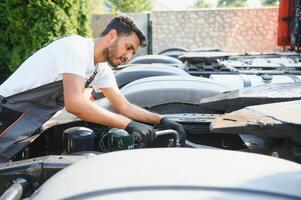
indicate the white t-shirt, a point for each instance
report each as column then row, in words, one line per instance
column 71, row 54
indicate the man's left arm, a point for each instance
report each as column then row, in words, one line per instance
column 124, row 107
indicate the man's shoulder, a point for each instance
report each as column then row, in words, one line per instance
column 73, row 40
column 72, row 43
column 74, row 37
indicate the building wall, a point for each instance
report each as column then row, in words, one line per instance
column 234, row 30
column 238, row 30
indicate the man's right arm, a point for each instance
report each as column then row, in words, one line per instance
column 81, row 106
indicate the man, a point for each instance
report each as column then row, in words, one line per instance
column 56, row 75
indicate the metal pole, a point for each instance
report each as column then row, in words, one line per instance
column 15, row 191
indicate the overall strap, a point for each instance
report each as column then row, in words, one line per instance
column 91, row 78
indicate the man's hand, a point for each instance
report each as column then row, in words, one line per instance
column 142, row 132
column 169, row 124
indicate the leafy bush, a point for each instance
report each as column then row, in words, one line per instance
column 34, row 23
column 4, row 43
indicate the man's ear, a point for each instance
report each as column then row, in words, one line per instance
column 112, row 36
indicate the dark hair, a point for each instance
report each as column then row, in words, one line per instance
column 125, row 25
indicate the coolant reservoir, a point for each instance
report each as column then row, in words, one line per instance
column 119, row 139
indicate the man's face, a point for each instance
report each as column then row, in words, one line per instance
column 121, row 50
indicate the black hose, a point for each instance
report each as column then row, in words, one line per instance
column 101, row 143
column 198, row 146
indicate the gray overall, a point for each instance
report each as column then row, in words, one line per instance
column 23, row 114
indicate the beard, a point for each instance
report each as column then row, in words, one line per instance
column 111, row 54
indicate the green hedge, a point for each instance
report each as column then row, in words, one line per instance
column 30, row 24
column 5, row 47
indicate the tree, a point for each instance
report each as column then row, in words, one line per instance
column 33, row 24
column 128, row 5
column 5, row 46
column 270, row 2
column 231, row 3
column 201, row 4
column 96, row 6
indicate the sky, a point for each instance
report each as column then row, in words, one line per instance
column 182, row 4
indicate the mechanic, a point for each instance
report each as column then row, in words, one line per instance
column 56, row 75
